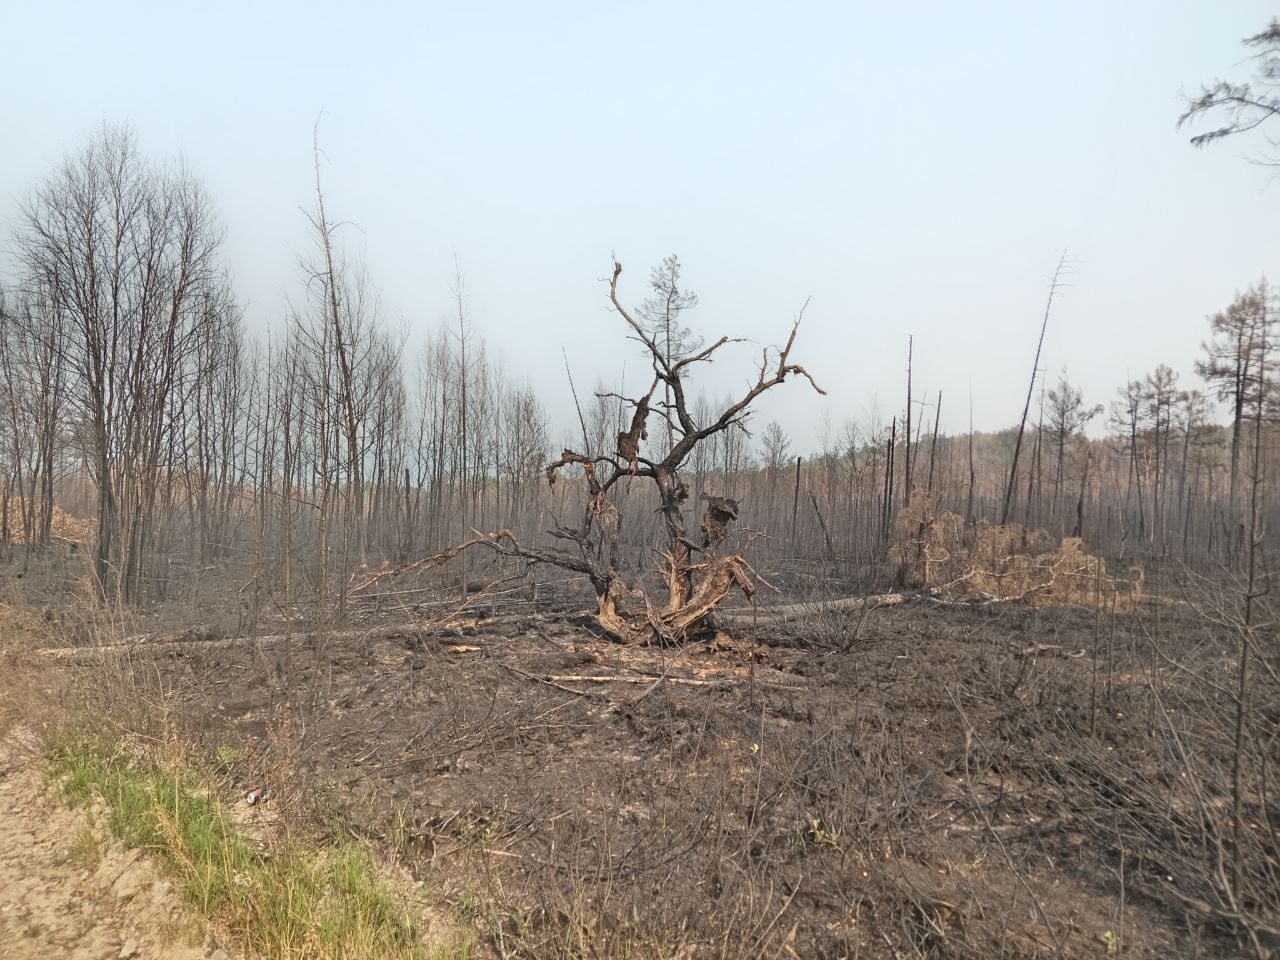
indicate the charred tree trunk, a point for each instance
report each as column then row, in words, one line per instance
column 694, row 589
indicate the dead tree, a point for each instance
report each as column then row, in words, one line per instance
column 1054, row 287
column 694, row 587
column 1241, row 106
column 122, row 254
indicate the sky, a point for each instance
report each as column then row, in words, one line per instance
column 904, row 169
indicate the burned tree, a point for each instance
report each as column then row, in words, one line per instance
column 1231, row 366
column 122, row 258
column 694, row 586
column 1241, row 106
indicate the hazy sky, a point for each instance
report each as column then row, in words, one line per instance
column 909, row 168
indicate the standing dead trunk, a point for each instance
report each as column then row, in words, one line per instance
column 1031, row 386
column 906, row 437
column 795, row 505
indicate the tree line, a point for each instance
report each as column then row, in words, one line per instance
column 134, row 397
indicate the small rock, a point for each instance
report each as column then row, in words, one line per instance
column 219, row 954
column 129, row 950
column 160, row 891
column 131, row 882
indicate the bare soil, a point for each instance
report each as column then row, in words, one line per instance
column 67, row 892
column 926, row 780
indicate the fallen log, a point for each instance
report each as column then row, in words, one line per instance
column 151, row 645
column 619, row 678
column 159, row 645
column 674, row 681
column 801, row 611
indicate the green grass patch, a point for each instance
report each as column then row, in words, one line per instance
column 291, row 900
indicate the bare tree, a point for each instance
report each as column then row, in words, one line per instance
column 1054, row 287
column 1160, row 395
column 1243, row 106
column 123, row 253
column 1128, row 427
column 1068, row 416
column 693, row 589
column 32, row 384
column 775, row 455
column 661, row 315
column 1231, row 366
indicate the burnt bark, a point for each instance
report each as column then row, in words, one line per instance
column 694, row 587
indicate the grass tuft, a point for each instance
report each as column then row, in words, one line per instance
column 292, row 900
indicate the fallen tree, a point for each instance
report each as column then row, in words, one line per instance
column 792, row 612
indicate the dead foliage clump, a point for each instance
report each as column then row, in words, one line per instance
column 996, row 563
column 63, row 527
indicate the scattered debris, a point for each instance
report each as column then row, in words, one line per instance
column 257, row 795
